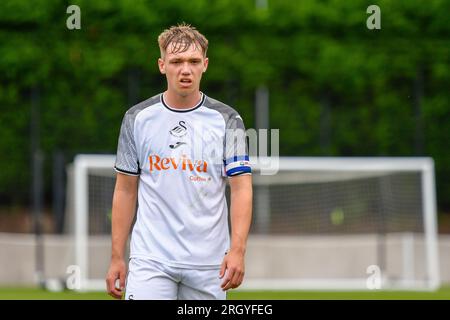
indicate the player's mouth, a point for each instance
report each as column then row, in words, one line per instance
column 185, row 82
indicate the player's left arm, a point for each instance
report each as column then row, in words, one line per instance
column 233, row 265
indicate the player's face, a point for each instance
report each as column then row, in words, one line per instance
column 183, row 70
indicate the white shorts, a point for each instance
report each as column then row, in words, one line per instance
column 152, row 280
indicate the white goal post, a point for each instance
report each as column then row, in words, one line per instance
column 315, row 212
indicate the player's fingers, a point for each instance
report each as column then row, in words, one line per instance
column 122, row 279
column 234, row 283
column 223, row 267
column 117, row 290
column 226, row 284
column 107, row 285
column 239, row 281
column 111, row 287
column 242, row 278
column 109, row 282
column 116, row 293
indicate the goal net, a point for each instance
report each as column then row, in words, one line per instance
column 318, row 223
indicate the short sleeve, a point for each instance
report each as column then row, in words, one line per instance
column 126, row 158
column 236, row 158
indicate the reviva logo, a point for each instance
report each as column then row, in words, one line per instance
column 183, row 163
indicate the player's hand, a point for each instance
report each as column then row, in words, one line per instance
column 117, row 271
column 232, row 270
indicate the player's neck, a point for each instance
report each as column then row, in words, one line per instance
column 177, row 101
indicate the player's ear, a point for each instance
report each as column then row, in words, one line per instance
column 205, row 64
column 162, row 66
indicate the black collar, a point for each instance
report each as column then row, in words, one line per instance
column 198, row 105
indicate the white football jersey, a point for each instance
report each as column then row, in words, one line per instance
column 182, row 158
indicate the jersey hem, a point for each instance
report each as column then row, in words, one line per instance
column 177, row 264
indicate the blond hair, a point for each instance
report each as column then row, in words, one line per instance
column 182, row 37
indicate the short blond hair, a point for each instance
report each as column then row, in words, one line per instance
column 182, row 37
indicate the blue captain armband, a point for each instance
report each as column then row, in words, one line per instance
column 237, row 165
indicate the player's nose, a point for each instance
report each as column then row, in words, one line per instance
column 185, row 70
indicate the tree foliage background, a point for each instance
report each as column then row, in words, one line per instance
column 336, row 88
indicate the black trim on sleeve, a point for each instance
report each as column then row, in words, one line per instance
column 127, row 172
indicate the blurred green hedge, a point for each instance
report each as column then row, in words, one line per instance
column 336, row 88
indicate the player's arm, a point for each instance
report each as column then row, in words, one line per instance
column 233, row 266
column 123, row 211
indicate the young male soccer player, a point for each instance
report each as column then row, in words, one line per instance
column 175, row 152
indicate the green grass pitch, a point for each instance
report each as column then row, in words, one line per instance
column 441, row 294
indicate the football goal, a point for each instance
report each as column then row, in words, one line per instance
column 318, row 222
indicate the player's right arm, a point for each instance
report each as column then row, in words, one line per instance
column 123, row 211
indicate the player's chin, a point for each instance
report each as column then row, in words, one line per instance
column 187, row 90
